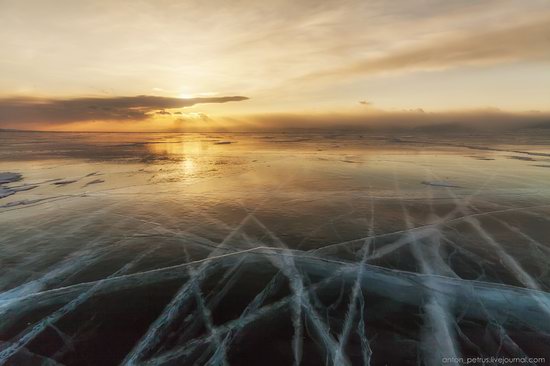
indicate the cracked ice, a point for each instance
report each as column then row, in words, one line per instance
column 192, row 253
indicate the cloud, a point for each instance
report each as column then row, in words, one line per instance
column 488, row 119
column 526, row 42
column 20, row 111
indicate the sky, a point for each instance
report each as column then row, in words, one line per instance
column 237, row 65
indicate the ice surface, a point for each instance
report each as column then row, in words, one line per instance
column 277, row 250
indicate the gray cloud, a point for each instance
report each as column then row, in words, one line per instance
column 20, row 111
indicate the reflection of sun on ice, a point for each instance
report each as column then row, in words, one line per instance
column 189, row 166
column 178, row 148
column 188, row 154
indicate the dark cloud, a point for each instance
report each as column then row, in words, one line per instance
column 20, row 111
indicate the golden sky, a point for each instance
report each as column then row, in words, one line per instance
column 169, row 65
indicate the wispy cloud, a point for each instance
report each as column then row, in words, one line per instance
column 20, row 111
column 525, row 42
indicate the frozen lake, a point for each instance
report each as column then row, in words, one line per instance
column 273, row 249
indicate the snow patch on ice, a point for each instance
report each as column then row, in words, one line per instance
column 8, row 177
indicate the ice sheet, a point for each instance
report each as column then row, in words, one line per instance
column 302, row 249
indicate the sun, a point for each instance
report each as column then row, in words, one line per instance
column 186, row 96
